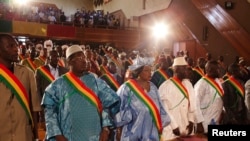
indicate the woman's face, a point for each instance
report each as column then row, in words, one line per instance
column 145, row 74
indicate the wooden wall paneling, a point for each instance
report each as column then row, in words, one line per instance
column 226, row 25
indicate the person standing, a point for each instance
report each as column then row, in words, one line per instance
column 78, row 106
column 141, row 115
column 22, row 53
column 41, row 59
column 177, row 95
column 19, row 101
column 104, row 65
column 47, row 74
column 234, row 97
column 30, row 61
column 162, row 73
column 209, row 93
column 111, row 77
column 199, row 70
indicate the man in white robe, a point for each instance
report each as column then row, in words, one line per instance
column 177, row 95
column 208, row 91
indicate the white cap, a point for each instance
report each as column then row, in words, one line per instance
column 48, row 42
column 179, row 61
column 39, row 47
column 122, row 54
column 72, row 50
column 110, row 48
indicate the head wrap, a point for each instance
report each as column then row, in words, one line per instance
column 141, row 61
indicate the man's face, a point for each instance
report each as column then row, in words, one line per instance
column 33, row 52
column 78, row 62
column 9, row 49
column 53, row 58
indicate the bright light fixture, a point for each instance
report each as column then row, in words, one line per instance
column 160, row 30
column 21, row 2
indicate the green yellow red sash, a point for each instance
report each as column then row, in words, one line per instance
column 103, row 69
column 86, row 92
column 21, row 56
column 214, row 85
column 16, row 87
column 112, row 80
column 139, row 92
column 42, row 59
column 163, row 74
column 180, row 86
column 199, row 71
column 31, row 64
column 61, row 63
column 236, row 85
column 46, row 73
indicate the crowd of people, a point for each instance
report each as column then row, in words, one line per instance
column 79, row 93
column 52, row 15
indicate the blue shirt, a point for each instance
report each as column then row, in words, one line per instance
column 68, row 113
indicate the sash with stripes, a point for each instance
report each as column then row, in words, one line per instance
column 86, row 92
column 16, row 87
column 46, row 73
column 214, row 85
column 112, row 80
column 237, row 85
column 180, row 86
column 21, row 56
column 31, row 64
column 61, row 63
column 103, row 69
column 42, row 59
column 199, row 71
column 130, row 61
column 139, row 92
column 163, row 74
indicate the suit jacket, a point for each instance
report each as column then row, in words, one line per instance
column 42, row 82
column 14, row 120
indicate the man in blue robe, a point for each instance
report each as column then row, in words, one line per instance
column 78, row 106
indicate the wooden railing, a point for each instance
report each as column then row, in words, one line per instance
column 121, row 38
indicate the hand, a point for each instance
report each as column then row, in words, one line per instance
column 104, row 136
column 118, row 133
column 176, row 131
column 190, row 127
column 200, row 128
column 61, row 138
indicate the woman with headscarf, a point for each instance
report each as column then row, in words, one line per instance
column 141, row 115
